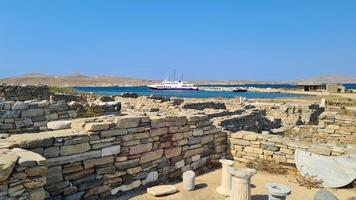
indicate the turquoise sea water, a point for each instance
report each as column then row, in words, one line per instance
column 144, row 91
column 198, row 94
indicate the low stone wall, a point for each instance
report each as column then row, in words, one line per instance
column 204, row 105
column 23, row 93
column 22, row 174
column 333, row 128
column 249, row 147
column 250, row 120
column 108, row 156
column 33, row 116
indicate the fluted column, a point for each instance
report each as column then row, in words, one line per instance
column 225, row 188
column 240, row 185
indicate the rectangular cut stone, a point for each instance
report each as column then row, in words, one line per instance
column 198, row 132
column 157, row 122
column 137, row 149
column 193, row 152
column 74, row 149
column 33, row 112
column 158, row 131
column 173, row 152
column 113, row 132
column 127, row 121
column 97, row 126
column 207, row 139
column 73, row 158
column 320, row 149
column 151, row 156
column 108, row 151
column 127, row 164
column 98, row 161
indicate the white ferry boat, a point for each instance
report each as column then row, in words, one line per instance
column 173, row 85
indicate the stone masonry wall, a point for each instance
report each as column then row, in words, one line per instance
column 332, row 128
column 23, row 93
column 22, row 174
column 249, row 147
column 108, row 156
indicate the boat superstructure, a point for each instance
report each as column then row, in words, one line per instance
column 173, row 85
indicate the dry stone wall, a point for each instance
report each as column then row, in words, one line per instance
column 108, row 156
column 249, row 147
column 332, row 128
column 24, row 92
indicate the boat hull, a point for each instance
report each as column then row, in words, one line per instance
column 154, row 88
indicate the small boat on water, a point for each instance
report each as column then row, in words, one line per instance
column 173, row 85
column 240, row 89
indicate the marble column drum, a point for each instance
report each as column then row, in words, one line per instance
column 277, row 191
column 225, row 188
column 240, row 185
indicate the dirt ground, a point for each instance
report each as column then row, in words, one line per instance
column 206, row 188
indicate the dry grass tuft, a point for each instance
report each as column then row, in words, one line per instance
column 308, row 181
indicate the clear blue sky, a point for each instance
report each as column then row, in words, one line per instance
column 206, row 39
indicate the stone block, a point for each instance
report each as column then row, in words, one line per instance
column 7, row 163
column 108, row 151
column 158, row 131
column 124, row 188
column 97, row 126
column 127, row 164
column 113, row 132
column 33, row 112
column 137, row 149
column 57, row 125
column 36, row 171
column 74, row 149
column 320, row 149
column 151, row 156
column 73, row 158
column 172, row 152
column 127, row 121
column 37, row 194
column 98, row 161
column 193, row 152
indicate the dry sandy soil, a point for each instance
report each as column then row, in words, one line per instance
column 207, row 183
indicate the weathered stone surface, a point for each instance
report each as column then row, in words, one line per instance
column 192, row 152
column 324, row 195
column 96, row 126
column 125, row 188
column 54, row 175
column 51, row 152
column 127, row 121
column 98, row 161
column 29, row 158
column 337, row 171
column 150, row 156
column 162, row 190
column 108, row 151
column 19, row 105
column 80, row 174
column 172, row 152
column 74, row 149
column 97, row 190
column 37, row 194
column 127, row 164
column 56, row 125
column 140, row 148
column 36, row 171
column 320, row 149
column 73, row 158
column 35, row 182
column 158, row 131
column 7, row 163
column 33, row 112
column 74, row 196
column 113, row 132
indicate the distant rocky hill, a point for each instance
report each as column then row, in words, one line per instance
column 73, row 80
column 330, row 79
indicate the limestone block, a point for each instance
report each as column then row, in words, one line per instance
column 193, row 152
column 35, row 182
column 28, row 158
column 56, row 125
column 36, row 171
column 158, row 131
column 151, row 156
column 173, row 152
column 137, row 149
column 7, row 163
column 320, row 149
column 97, row 190
column 162, row 190
column 127, row 164
column 97, row 126
column 73, row 158
column 179, row 164
column 127, row 121
column 113, row 132
column 207, row 139
column 108, row 151
column 74, row 149
column 98, row 161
